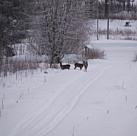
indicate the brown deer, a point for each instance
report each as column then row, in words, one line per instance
column 66, row 66
column 85, row 63
column 79, row 65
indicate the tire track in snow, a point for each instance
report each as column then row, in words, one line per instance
column 48, row 118
column 29, row 117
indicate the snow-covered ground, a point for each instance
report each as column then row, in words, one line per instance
column 117, row 29
column 101, row 101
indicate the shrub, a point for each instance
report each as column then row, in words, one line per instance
column 94, row 54
column 13, row 66
column 135, row 59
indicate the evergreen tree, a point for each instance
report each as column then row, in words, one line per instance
column 13, row 24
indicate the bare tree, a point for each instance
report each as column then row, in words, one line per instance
column 61, row 27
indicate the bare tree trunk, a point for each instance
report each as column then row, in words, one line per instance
column 106, row 8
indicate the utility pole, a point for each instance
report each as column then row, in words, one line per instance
column 97, row 19
column 108, row 14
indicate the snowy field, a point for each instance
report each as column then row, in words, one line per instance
column 99, row 102
column 118, row 30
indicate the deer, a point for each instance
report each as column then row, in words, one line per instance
column 65, row 66
column 80, row 65
column 85, row 63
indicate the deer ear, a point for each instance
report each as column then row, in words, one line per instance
column 62, row 56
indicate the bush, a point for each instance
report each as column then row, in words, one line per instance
column 135, row 59
column 94, row 54
column 13, row 66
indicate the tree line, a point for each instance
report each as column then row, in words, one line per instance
column 14, row 23
column 52, row 27
column 115, row 6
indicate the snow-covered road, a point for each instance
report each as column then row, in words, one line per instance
column 109, row 106
column 49, row 116
column 101, row 101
